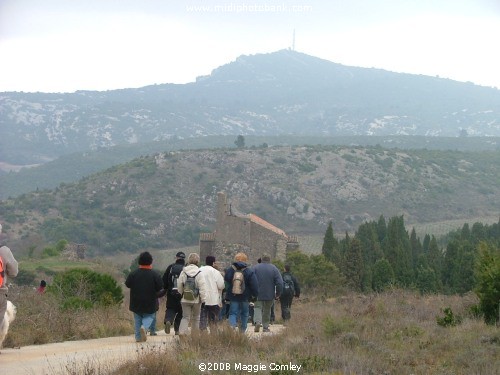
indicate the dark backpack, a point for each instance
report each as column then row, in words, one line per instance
column 175, row 271
column 191, row 291
column 238, row 281
column 288, row 286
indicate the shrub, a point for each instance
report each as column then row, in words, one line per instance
column 79, row 287
column 335, row 326
column 449, row 319
column 25, row 277
column 488, row 282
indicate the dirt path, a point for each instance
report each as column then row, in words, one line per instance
column 66, row 357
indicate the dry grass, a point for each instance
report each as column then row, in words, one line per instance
column 391, row 333
column 395, row 332
column 39, row 320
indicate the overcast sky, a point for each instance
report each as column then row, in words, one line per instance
column 69, row 45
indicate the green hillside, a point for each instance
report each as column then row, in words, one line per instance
column 167, row 199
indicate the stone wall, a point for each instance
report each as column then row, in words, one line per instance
column 250, row 234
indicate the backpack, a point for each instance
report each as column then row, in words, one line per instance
column 191, row 291
column 288, row 286
column 2, row 271
column 175, row 271
column 238, row 281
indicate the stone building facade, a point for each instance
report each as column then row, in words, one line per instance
column 249, row 233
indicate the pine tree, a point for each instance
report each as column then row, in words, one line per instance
column 370, row 245
column 435, row 258
column 426, row 280
column 465, row 233
column 354, row 269
column 426, row 243
column 240, row 141
column 330, row 244
column 383, row 275
column 451, row 267
column 488, row 282
column 398, row 251
column 381, row 229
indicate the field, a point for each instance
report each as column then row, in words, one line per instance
column 395, row 332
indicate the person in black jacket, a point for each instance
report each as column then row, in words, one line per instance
column 173, row 311
column 291, row 288
column 144, row 285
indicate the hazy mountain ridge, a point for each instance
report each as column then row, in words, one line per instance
column 164, row 200
column 285, row 92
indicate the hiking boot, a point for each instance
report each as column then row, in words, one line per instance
column 143, row 335
column 257, row 327
column 153, row 333
column 167, row 327
column 266, row 329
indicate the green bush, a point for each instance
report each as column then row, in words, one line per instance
column 449, row 319
column 488, row 282
column 335, row 326
column 81, row 287
column 25, row 277
column 75, row 303
column 49, row 252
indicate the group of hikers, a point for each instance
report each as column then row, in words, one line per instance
column 201, row 296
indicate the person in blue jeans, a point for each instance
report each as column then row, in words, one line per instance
column 144, row 284
column 239, row 303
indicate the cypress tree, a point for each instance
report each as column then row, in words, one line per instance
column 451, row 267
column 488, row 285
column 354, row 269
column 416, row 248
column 330, row 244
column 383, row 275
column 398, row 251
column 381, row 229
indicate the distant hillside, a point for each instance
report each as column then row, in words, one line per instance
column 166, row 199
column 71, row 168
column 280, row 93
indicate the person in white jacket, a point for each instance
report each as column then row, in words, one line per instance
column 192, row 295
column 210, row 311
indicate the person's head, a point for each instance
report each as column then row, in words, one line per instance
column 194, row 258
column 266, row 258
column 180, row 255
column 210, row 260
column 287, row 268
column 145, row 259
column 43, row 283
column 259, row 260
column 241, row 257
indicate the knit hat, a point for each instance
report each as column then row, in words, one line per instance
column 180, row 254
